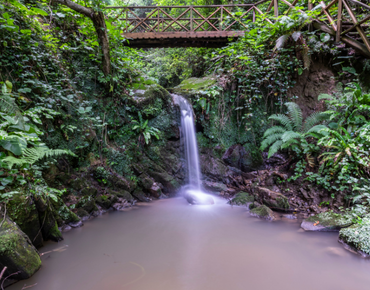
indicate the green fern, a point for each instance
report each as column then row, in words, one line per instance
column 32, row 155
column 292, row 132
column 9, row 107
column 295, row 114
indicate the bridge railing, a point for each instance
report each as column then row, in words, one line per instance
column 337, row 17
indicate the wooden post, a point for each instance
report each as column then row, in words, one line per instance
column 126, row 20
column 276, row 8
column 310, row 6
column 254, row 15
column 191, row 18
column 339, row 23
column 222, row 14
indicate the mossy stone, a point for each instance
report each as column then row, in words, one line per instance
column 82, row 213
column 327, row 221
column 17, row 252
column 89, row 191
column 357, row 237
column 23, row 212
column 140, row 195
column 192, row 86
column 242, row 198
column 263, row 212
column 125, row 194
column 78, row 183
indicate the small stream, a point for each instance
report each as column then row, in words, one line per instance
column 171, row 245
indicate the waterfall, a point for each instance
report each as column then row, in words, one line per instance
column 193, row 191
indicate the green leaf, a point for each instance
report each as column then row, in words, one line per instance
column 324, row 37
column 6, row 180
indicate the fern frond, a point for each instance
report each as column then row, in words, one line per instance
column 11, row 161
column 295, row 114
column 290, row 135
column 314, row 119
column 324, row 97
column 31, row 155
column 318, row 129
column 269, row 140
column 274, row 130
column 275, row 148
column 283, row 120
column 289, row 143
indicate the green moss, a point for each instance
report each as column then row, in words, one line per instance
column 263, row 212
column 81, row 212
column 241, row 198
column 357, row 236
column 331, row 219
column 17, row 250
column 55, row 233
column 192, row 85
column 282, row 202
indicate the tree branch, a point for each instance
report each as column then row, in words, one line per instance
column 76, row 7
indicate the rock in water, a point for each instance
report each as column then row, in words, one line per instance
column 326, row 222
column 198, row 197
column 17, row 252
column 263, row 212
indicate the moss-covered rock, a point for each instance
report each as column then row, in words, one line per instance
column 150, row 98
column 89, row 191
column 22, row 210
column 49, row 226
column 241, row 198
column 78, row 183
column 106, row 201
column 82, row 213
column 87, row 203
column 125, row 195
column 326, row 222
column 192, row 86
column 273, row 199
column 140, row 195
column 263, row 212
column 17, row 252
column 357, row 237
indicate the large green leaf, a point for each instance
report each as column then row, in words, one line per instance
column 14, row 144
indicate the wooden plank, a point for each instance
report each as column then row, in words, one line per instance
column 360, row 3
column 260, row 12
column 196, row 11
column 293, row 4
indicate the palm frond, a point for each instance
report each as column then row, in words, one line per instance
column 283, row 120
column 314, row 119
column 295, row 114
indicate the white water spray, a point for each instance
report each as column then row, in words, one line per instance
column 193, row 192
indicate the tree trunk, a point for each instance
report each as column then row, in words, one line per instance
column 101, row 30
column 100, row 27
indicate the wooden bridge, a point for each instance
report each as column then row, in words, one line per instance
column 215, row 25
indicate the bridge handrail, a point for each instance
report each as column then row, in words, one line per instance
column 154, row 23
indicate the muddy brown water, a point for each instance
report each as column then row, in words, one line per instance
column 170, row 245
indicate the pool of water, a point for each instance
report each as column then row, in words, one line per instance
column 170, row 245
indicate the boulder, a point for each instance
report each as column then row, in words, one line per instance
column 212, row 167
column 125, row 195
column 89, row 191
column 326, row 222
column 236, row 156
column 356, row 238
column 272, row 199
column 263, row 212
column 22, row 210
column 242, row 198
column 17, row 252
column 140, row 195
column 87, row 204
column 197, row 197
column 106, row 201
column 216, row 187
column 78, row 183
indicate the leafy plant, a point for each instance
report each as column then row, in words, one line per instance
column 293, row 132
column 145, row 132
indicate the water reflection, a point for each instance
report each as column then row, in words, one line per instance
column 170, row 245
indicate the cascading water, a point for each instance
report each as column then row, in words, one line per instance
column 193, row 191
